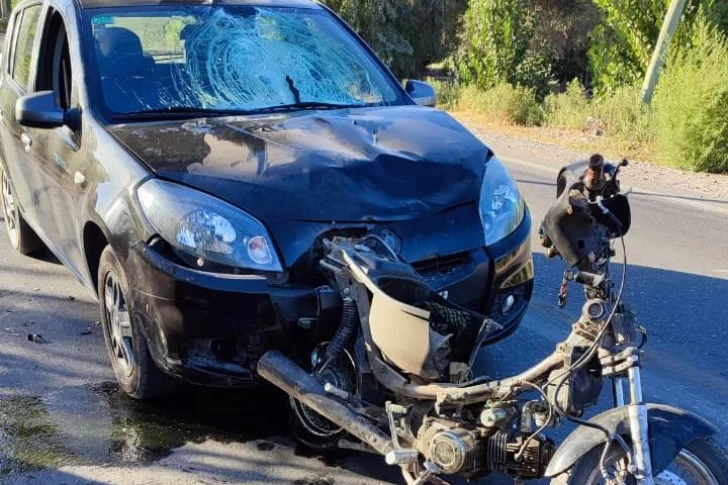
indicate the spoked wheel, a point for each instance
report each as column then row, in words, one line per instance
column 136, row 372
column 703, row 462
column 308, row 427
column 22, row 238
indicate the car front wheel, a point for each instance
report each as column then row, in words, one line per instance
column 136, row 372
column 22, row 238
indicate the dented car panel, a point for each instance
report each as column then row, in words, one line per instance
column 313, row 166
column 368, row 160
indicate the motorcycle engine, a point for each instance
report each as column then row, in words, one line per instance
column 473, row 452
column 453, row 447
column 504, row 449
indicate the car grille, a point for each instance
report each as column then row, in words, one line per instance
column 442, row 266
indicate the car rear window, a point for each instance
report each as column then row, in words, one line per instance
column 24, row 44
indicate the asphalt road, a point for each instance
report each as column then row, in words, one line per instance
column 60, row 410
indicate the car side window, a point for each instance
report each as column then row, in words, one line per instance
column 9, row 43
column 54, row 62
column 24, row 44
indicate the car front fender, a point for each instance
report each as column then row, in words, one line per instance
column 670, row 430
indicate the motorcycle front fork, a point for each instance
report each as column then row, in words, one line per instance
column 639, row 431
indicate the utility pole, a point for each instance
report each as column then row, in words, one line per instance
column 669, row 26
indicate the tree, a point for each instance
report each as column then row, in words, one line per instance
column 407, row 34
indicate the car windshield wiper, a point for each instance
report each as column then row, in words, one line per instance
column 305, row 105
column 177, row 112
column 190, row 112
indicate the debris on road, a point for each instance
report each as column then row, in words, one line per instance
column 36, row 289
column 71, row 298
column 86, row 332
column 12, row 331
column 37, row 338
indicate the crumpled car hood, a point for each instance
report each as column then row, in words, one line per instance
column 369, row 164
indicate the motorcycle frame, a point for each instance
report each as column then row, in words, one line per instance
column 446, row 395
column 637, row 422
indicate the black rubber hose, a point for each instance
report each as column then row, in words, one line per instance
column 349, row 321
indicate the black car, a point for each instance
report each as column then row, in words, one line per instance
column 186, row 159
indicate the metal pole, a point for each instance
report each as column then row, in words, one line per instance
column 669, row 26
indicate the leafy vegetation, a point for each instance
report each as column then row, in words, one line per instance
column 573, row 64
column 503, row 103
column 691, row 105
column 408, row 35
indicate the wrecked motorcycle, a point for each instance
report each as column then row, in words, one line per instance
column 397, row 374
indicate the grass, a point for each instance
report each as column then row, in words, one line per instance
column 617, row 125
column 685, row 127
column 691, row 105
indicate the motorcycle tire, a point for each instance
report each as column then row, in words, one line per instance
column 705, row 460
column 327, row 445
column 310, row 429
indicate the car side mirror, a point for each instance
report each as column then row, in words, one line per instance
column 39, row 110
column 422, row 93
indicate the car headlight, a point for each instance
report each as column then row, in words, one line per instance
column 502, row 208
column 202, row 229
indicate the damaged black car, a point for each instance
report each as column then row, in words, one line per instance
column 187, row 159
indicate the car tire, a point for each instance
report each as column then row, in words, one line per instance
column 22, row 238
column 134, row 368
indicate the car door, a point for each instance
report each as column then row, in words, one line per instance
column 57, row 161
column 18, row 57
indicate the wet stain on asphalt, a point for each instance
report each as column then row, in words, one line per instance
column 265, row 446
column 332, row 459
column 99, row 425
column 316, row 480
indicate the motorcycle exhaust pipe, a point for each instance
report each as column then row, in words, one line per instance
column 281, row 371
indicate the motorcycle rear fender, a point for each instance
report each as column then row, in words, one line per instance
column 670, row 430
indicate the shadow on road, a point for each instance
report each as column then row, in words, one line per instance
column 98, row 425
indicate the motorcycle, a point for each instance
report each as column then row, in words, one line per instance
column 397, row 373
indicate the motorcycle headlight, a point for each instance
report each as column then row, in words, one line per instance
column 203, row 229
column 502, row 208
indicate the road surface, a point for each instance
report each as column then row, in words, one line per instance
column 63, row 421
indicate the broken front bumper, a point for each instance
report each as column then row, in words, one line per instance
column 211, row 329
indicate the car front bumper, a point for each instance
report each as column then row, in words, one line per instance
column 211, row 329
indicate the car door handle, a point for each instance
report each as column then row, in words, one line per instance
column 27, row 141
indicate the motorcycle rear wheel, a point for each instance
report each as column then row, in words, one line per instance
column 702, row 462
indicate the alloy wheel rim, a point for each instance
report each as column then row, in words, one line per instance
column 118, row 324
column 9, row 210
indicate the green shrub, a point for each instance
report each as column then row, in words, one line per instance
column 691, row 105
column 448, row 93
column 504, row 103
column 570, row 109
column 623, row 115
column 407, row 35
column 618, row 114
column 495, row 41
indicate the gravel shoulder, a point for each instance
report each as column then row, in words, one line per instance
column 546, row 147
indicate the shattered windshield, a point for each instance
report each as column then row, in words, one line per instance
column 230, row 59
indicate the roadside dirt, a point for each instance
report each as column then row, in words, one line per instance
column 546, row 146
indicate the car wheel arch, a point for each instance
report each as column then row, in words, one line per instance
column 94, row 243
